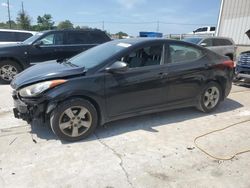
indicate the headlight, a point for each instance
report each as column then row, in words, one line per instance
column 36, row 89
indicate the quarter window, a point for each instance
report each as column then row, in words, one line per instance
column 23, row 36
column 183, row 53
column 148, row 56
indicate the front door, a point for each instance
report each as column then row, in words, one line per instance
column 141, row 87
column 51, row 48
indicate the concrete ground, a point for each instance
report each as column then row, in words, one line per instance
column 156, row 150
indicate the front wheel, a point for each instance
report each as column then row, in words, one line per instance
column 210, row 97
column 8, row 70
column 74, row 120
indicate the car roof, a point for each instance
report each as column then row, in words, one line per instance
column 140, row 40
column 87, row 29
column 19, row 31
column 214, row 37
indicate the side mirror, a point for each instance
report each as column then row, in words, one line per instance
column 203, row 44
column 118, row 66
column 38, row 43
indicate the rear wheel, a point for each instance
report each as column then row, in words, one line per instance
column 8, row 70
column 74, row 119
column 210, row 97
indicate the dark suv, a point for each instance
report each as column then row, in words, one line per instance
column 45, row 46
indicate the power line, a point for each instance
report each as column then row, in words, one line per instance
column 158, row 26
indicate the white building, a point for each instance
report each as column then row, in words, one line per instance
column 234, row 22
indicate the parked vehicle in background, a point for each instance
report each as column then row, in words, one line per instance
column 10, row 36
column 120, row 79
column 204, row 30
column 150, row 34
column 221, row 45
column 242, row 71
column 45, row 46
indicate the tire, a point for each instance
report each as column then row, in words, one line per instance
column 74, row 114
column 8, row 69
column 211, row 92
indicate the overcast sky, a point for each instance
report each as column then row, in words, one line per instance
column 130, row 16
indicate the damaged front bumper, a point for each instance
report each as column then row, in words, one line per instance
column 27, row 110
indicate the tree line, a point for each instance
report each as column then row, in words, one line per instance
column 45, row 22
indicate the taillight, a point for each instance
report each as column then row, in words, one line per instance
column 228, row 64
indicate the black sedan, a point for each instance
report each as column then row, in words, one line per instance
column 120, row 79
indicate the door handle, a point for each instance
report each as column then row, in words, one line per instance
column 163, row 75
column 208, row 65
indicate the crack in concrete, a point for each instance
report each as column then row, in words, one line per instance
column 117, row 155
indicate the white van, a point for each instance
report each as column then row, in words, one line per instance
column 10, row 36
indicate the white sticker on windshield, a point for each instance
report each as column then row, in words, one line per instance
column 125, row 45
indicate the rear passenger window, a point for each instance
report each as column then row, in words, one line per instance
column 6, row 36
column 76, row 38
column 182, row 53
column 221, row 42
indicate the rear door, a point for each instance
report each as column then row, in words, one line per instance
column 76, row 42
column 188, row 67
column 142, row 86
column 52, row 48
column 222, row 46
column 82, row 40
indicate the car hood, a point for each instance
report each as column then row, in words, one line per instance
column 9, row 48
column 45, row 71
column 13, row 45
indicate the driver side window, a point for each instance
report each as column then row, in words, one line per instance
column 147, row 56
column 52, row 39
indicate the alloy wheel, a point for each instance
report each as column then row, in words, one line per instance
column 75, row 121
column 211, row 97
column 8, row 72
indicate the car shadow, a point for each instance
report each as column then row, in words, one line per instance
column 144, row 122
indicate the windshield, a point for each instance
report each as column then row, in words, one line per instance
column 98, row 54
column 32, row 39
column 193, row 40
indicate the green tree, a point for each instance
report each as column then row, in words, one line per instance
column 23, row 20
column 44, row 22
column 121, row 34
column 65, row 25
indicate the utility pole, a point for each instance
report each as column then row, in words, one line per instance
column 158, row 26
column 22, row 8
column 8, row 3
column 103, row 25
